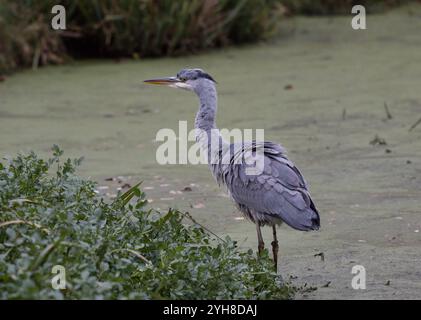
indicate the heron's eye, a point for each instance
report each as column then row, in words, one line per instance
column 182, row 79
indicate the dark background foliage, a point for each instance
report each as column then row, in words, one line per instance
column 145, row 28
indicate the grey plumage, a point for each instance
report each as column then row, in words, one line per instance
column 278, row 194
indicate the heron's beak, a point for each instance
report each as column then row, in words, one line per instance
column 172, row 82
column 164, row 81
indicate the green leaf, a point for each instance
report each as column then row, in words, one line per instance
column 129, row 194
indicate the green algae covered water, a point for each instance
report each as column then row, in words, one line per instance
column 319, row 89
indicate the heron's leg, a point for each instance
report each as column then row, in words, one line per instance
column 261, row 244
column 275, row 248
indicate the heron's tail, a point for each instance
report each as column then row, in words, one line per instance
column 304, row 220
column 315, row 217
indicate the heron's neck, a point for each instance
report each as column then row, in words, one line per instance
column 205, row 117
column 207, row 134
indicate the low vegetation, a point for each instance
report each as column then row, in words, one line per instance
column 130, row 28
column 147, row 28
column 112, row 250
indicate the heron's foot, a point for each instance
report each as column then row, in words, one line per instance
column 275, row 250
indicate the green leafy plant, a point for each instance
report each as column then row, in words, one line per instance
column 112, row 250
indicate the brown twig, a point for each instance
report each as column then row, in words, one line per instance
column 388, row 114
column 189, row 216
column 415, row 125
column 137, row 254
column 32, row 224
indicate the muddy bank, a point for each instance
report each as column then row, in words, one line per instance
column 319, row 90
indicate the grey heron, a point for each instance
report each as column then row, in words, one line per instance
column 278, row 193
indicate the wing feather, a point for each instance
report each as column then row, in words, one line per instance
column 280, row 191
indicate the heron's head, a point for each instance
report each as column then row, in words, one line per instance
column 188, row 79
